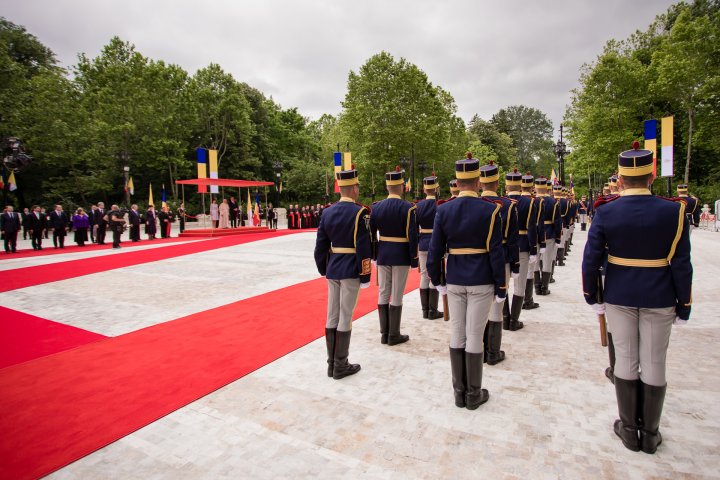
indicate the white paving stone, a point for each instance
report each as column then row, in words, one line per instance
column 549, row 416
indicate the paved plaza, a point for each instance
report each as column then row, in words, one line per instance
column 549, row 415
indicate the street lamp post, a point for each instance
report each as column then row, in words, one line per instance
column 277, row 166
column 126, row 171
column 560, row 152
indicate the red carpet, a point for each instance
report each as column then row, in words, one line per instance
column 57, row 409
column 30, row 276
column 73, row 248
column 25, row 337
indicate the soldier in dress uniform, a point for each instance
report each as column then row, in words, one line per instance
column 489, row 182
column 583, row 210
column 396, row 252
column 692, row 207
column 528, row 183
column 343, row 254
column 454, row 190
column 613, row 183
column 469, row 231
column 563, row 211
column 648, row 241
column 552, row 223
column 527, row 243
column 425, row 218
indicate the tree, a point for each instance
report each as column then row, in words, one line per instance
column 394, row 114
column 531, row 133
column 488, row 135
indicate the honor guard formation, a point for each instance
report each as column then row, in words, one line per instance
column 483, row 253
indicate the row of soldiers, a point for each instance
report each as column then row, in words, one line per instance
column 471, row 246
column 307, row 216
column 529, row 232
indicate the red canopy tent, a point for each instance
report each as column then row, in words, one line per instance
column 224, row 182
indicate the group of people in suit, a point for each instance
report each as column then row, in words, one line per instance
column 470, row 249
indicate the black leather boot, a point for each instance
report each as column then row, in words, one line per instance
column 457, row 365
column 384, row 315
column 544, row 290
column 552, row 273
column 341, row 367
column 538, row 283
column 485, row 342
column 650, row 412
column 394, row 335
column 330, row 345
column 424, row 301
column 610, row 371
column 582, row 227
column 627, row 392
column 529, row 301
column 506, row 314
column 561, row 257
column 475, row 394
column 517, row 305
column 433, row 298
column 495, row 355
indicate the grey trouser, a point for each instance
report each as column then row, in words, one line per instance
column 583, row 218
column 522, row 278
column 469, row 307
column 641, row 337
column 392, row 281
column 424, row 278
column 563, row 238
column 549, row 255
column 342, row 298
column 497, row 308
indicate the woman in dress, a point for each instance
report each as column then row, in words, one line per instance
column 224, row 214
column 80, row 223
column 151, row 223
column 214, row 213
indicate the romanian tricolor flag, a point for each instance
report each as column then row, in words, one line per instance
column 338, row 163
column 408, row 185
column 2, row 179
column 130, row 187
column 249, row 208
column 150, row 197
column 164, row 197
column 650, row 131
column 213, row 169
column 202, row 161
column 554, row 177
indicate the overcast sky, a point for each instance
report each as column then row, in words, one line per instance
column 487, row 54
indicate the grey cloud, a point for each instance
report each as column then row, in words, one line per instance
column 487, row 54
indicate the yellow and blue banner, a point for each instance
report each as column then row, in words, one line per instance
column 341, row 161
column 666, row 149
column 163, row 196
column 650, row 134
column 202, row 160
column 12, row 184
column 150, row 197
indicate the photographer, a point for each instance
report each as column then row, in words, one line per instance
column 116, row 222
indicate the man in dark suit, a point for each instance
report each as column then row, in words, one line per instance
column 57, row 223
column 234, row 210
column 10, row 226
column 36, row 225
column 101, row 223
column 134, row 219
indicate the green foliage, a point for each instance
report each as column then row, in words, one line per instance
column 531, row 133
column 394, row 115
column 673, row 68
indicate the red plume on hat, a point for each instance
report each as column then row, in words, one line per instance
column 352, row 166
column 491, row 162
column 515, row 170
column 397, row 168
column 468, row 155
column 636, row 145
column 433, row 174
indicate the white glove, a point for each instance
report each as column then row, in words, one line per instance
column 364, row 285
column 442, row 289
column 514, row 275
column 532, row 259
column 679, row 321
column 599, row 308
column 499, row 299
column 374, row 262
column 542, row 250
